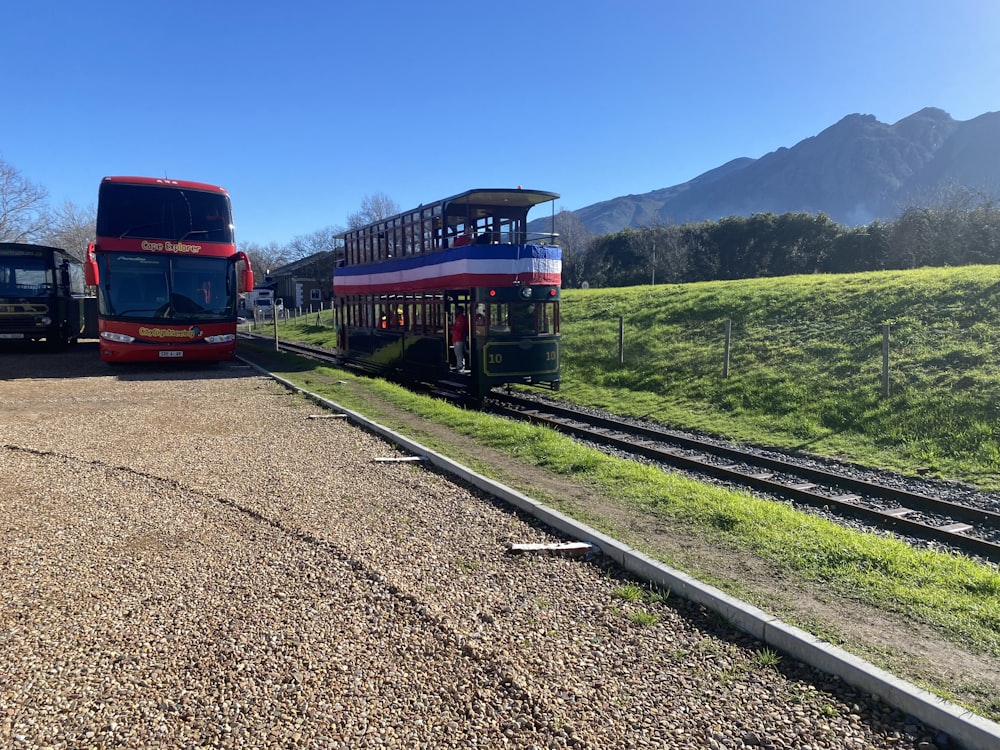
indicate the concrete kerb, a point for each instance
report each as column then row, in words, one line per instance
column 965, row 728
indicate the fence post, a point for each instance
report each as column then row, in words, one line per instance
column 621, row 339
column 729, row 336
column 885, row 360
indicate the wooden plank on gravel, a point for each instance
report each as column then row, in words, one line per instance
column 555, row 548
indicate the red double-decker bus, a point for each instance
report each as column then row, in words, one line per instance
column 167, row 271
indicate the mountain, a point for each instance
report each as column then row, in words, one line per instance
column 855, row 171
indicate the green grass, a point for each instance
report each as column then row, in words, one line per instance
column 643, row 618
column 629, row 592
column 805, row 368
column 767, row 657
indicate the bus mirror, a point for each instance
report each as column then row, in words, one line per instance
column 90, row 273
column 246, row 272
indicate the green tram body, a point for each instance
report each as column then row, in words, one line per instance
column 498, row 355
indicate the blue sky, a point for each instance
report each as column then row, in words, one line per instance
column 302, row 108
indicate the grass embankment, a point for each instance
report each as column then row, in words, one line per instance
column 805, row 371
column 806, row 363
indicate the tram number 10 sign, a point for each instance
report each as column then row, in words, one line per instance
column 513, row 358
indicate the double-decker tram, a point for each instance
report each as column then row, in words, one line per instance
column 457, row 279
column 167, row 271
column 41, row 295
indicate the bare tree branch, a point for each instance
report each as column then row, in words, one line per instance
column 22, row 205
column 373, row 208
column 265, row 258
column 70, row 228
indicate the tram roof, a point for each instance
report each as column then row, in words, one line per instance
column 479, row 200
column 500, row 196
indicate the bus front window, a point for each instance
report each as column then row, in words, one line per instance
column 154, row 286
column 132, row 285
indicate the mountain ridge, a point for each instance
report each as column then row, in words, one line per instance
column 855, row 171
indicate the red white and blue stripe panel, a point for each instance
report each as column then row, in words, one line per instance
column 454, row 268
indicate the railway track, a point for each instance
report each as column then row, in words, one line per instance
column 294, row 347
column 958, row 525
column 966, row 527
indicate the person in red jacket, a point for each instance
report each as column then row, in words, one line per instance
column 459, row 335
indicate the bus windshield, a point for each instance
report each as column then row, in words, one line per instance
column 166, row 213
column 24, row 275
column 141, row 285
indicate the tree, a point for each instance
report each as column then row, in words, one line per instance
column 668, row 256
column 373, row 208
column 265, row 258
column 912, row 238
column 701, row 251
column 574, row 239
column 324, row 247
column 617, row 260
column 70, row 228
column 22, row 206
column 320, row 241
column 863, row 248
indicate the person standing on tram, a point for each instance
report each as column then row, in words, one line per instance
column 459, row 335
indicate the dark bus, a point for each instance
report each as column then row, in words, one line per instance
column 42, row 295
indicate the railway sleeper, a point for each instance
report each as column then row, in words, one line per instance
column 956, row 528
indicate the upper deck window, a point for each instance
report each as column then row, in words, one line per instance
column 496, row 216
column 169, row 213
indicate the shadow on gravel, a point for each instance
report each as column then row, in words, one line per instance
column 278, row 361
column 23, row 361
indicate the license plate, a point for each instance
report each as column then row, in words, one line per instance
column 11, row 335
column 172, row 353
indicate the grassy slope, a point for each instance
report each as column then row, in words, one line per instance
column 806, row 363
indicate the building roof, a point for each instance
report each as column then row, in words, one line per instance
column 297, row 266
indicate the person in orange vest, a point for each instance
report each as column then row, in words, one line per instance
column 459, row 334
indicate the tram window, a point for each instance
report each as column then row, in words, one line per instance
column 479, row 320
column 542, row 318
column 499, row 317
column 523, row 320
column 436, row 317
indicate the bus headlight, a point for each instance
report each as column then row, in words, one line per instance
column 45, row 320
column 118, row 338
column 222, row 338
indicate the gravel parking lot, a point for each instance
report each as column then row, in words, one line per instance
column 189, row 560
